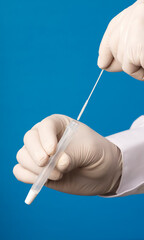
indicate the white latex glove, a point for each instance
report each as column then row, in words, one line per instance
column 91, row 164
column 122, row 46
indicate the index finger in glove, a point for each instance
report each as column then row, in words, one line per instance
column 50, row 131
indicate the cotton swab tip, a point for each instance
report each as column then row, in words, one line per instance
column 30, row 197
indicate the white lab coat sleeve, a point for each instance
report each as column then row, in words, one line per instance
column 131, row 144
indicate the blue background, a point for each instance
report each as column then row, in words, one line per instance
column 48, row 64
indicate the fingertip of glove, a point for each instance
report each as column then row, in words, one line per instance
column 102, row 64
column 63, row 162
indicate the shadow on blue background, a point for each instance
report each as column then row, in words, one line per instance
column 48, row 64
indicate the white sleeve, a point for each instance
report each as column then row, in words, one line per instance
column 131, row 144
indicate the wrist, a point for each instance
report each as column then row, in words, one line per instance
column 115, row 182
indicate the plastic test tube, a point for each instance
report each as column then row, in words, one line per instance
column 44, row 175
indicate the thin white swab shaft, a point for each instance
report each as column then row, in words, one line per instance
column 85, row 104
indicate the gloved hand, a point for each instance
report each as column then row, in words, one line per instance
column 122, row 46
column 91, row 165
